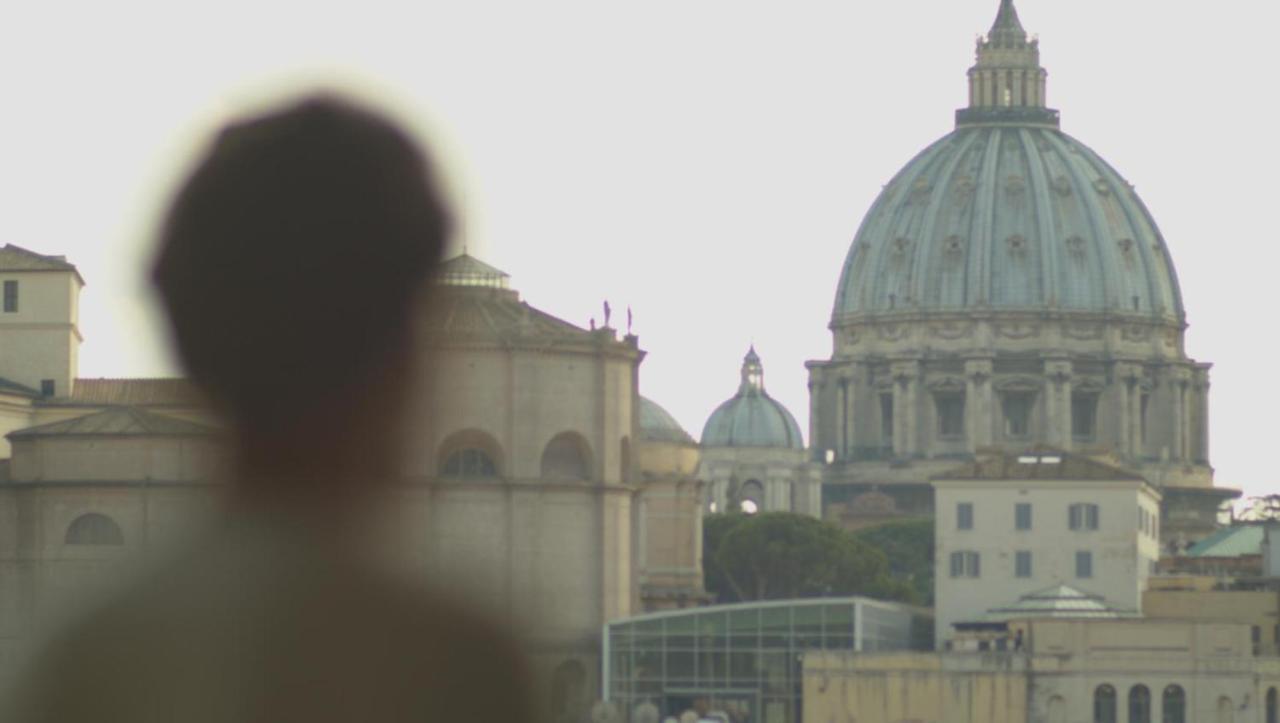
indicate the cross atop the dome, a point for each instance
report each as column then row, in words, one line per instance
column 1007, row 25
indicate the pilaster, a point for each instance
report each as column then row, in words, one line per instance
column 906, row 390
column 1057, row 374
column 979, row 403
column 1128, row 380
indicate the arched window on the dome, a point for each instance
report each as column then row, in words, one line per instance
column 94, row 529
column 470, row 454
column 566, row 457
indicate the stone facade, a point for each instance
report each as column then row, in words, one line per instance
column 1066, row 671
column 533, row 481
column 1009, row 289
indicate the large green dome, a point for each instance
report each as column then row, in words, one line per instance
column 1008, row 213
column 1009, row 217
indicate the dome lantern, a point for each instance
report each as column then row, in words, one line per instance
column 1007, row 83
column 752, row 373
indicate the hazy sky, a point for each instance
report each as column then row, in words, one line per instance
column 705, row 162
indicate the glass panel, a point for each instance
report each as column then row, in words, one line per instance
column 838, row 619
column 649, row 628
column 648, row 665
column 776, row 619
column 776, row 672
column 744, row 668
column 680, row 666
column 744, row 621
column 712, row 631
column 713, row 668
column 744, row 626
column 838, row 642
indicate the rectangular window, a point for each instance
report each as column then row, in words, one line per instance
column 47, row 387
column 1084, row 564
column 886, row 420
column 1082, row 516
column 10, row 297
column 965, row 564
column 1017, row 413
column 1022, row 563
column 1084, row 415
column 964, row 516
column 1022, row 516
column 950, row 407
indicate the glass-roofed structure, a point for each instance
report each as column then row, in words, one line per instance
column 741, row 663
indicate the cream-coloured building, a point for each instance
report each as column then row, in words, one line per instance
column 1008, row 525
column 1056, row 671
column 1255, row 603
column 538, row 480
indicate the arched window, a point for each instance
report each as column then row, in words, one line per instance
column 1139, row 704
column 1272, row 715
column 470, row 454
column 94, row 529
column 1226, row 711
column 566, row 458
column 751, row 498
column 1104, row 704
column 1174, row 705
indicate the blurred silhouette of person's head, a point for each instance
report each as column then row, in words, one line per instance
column 290, row 265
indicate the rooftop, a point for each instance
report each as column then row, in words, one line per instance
column 1234, row 541
column 1037, row 463
column 155, row 392
column 117, row 422
column 16, row 258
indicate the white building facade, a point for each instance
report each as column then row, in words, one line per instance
column 1009, row 525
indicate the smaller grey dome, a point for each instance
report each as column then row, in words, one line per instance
column 752, row 418
column 657, row 424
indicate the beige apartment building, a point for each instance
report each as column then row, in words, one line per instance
column 1009, row 525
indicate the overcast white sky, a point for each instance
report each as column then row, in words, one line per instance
column 705, row 162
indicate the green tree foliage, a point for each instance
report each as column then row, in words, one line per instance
column 780, row 555
column 909, row 546
column 714, row 529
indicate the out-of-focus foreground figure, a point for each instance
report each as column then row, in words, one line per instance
column 290, row 265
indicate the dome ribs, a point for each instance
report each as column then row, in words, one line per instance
column 1051, row 245
column 928, row 287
